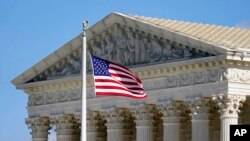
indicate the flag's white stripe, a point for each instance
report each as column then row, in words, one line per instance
column 113, row 78
column 116, row 78
column 123, row 73
column 119, row 91
column 119, row 86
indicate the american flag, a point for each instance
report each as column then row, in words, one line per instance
column 112, row 79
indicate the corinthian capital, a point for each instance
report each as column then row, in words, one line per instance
column 65, row 124
column 229, row 104
column 146, row 112
column 172, row 111
column 172, row 108
column 118, row 117
column 39, row 126
column 199, row 107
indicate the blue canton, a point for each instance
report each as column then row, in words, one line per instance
column 100, row 66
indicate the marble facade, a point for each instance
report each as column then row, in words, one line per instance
column 195, row 89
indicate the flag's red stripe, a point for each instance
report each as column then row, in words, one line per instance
column 132, row 90
column 119, row 94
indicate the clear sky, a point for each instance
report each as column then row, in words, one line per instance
column 32, row 29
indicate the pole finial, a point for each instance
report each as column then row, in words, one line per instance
column 84, row 27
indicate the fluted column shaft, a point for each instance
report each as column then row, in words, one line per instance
column 144, row 130
column 114, row 132
column 91, row 136
column 171, row 131
column 200, row 119
column 92, row 130
column 115, row 135
column 200, row 130
column 225, row 124
column 216, row 135
column 182, row 138
column 172, row 128
column 39, row 127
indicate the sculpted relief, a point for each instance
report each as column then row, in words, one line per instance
column 122, row 45
column 129, row 47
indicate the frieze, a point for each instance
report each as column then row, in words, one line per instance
column 54, row 97
column 169, row 81
column 237, row 75
column 185, row 79
column 125, row 46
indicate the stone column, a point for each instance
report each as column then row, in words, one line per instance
column 200, row 119
column 39, row 128
column 146, row 118
column 171, row 121
column 77, row 127
column 92, row 126
column 214, row 121
column 119, row 124
column 67, row 129
column 229, row 109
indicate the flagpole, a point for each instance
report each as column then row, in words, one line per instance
column 84, row 86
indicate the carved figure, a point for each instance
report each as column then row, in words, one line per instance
column 76, row 55
column 104, row 50
column 137, row 48
column 155, row 51
column 97, row 50
column 76, row 64
column 177, row 52
column 110, row 45
column 68, row 69
column 143, row 44
column 147, row 49
column 53, row 72
column 187, row 52
column 167, row 52
column 131, row 47
column 89, row 64
column 122, row 50
column 47, row 73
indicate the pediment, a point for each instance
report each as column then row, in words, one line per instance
column 123, row 45
column 118, row 39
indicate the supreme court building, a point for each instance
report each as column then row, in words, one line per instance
column 197, row 77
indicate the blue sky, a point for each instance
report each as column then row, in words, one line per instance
column 30, row 30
